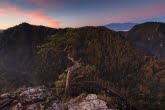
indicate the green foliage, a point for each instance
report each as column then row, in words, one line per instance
column 78, row 81
column 60, row 84
column 116, row 61
column 56, row 43
column 118, row 65
column 113, row 56
column 87, row 72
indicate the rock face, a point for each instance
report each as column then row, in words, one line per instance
column 34, row 95
column 82, row 102
column 91, row 102
column 29, row 99
column 35, row 99
column 150, row 37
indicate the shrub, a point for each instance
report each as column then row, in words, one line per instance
column 60, row 84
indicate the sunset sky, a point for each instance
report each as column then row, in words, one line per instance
column 77, row 13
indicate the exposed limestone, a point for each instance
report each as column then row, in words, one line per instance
column 91, row 102
column 56, row 105
column 37, row 99
column 18, row 106
column 24, row 98
column 36, row 106
column 34, row 94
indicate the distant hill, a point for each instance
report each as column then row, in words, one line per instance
column 18, row 54
column 20, row 41
column 120, row 26
column 149, row 36
column 1, row 31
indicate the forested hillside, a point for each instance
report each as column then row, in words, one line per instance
column 37, row 55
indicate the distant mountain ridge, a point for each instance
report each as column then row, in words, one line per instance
column 18, row 51
column 1, row 31
column 120, row 26
column 149, row 36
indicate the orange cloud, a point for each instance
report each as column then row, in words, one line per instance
column 35, row 17
column 1, row 14
column 38, row 15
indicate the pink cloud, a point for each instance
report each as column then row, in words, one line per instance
column 35, row 17
column 41, row 17
column 2, row 14
column 138, row 14
column 148, row 12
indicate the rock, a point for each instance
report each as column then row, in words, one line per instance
column 5, row 95
column 8, row 95
column 91, row 102
column 26, row 98
column 82, row 102
column 20, row 90
column 36, row 106
column 5, row 102
column 15, row 101
column 34, row 95
column 18, row 106
column 57, row 106
column 91, row 97
column 37, row 99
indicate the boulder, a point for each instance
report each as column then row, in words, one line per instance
column 8, row 95
column 91, row 102
column 36, row 106
column 37, row 98
column 34, row 95
column 18, row 106
column 5, row 103
column 57, row 106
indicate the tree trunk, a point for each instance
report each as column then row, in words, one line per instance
column 70, row 71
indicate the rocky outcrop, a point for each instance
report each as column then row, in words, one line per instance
column 82, row 102
column 149, row 37
column 29, row 99
column 37, row 99
column 90, row 102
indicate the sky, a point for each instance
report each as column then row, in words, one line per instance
column 78, row 13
